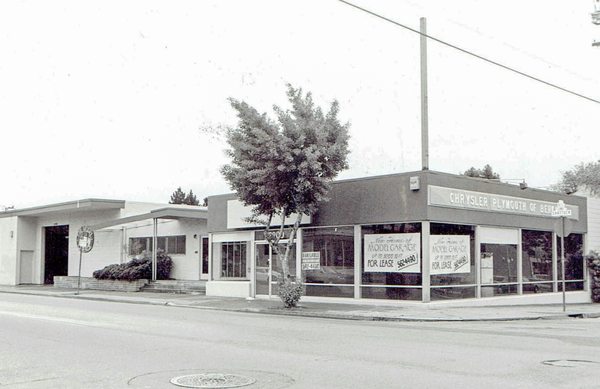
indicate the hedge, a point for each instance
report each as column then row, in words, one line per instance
column 136, row 269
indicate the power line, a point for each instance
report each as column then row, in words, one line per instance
column 470, row 52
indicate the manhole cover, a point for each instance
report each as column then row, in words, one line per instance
column 212, row 380
column 570, row 363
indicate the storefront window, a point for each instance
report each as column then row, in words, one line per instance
column 573, row 262
column 499, row 267
column 455, row 292
column 391, row 260
column 232, row 258
column 333, row 250
column 452, row 255
column 537, row 261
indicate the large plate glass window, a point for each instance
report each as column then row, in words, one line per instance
column 537, row 261
column 574, row 274
column 452, row 261
column 328, row 261
column 389, row 270
column 231, row 260
column 498, row 267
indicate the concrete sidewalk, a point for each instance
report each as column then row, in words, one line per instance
column 403, row 311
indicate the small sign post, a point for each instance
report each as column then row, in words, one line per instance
column 562, row 211
column 85, row 242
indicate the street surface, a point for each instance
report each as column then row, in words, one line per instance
column 48, row 342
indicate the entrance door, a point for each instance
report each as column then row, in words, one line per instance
column 263, row 269
column 204, row 258
column 56, row 253
column 26, row 267
column 268, row 268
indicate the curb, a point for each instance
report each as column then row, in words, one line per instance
column 323, row 315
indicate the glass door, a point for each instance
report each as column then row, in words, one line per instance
column 204, row 258
column 268, row 268
column 263, row 269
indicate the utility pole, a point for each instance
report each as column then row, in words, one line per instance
column 596, row 19
column 424, row 104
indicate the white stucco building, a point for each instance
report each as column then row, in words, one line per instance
column 39, row 243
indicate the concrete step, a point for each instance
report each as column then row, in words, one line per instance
column 176, row 286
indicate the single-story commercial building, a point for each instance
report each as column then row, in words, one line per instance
column 39, row 243
column 419, row 236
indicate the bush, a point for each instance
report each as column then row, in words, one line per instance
column 290, row 293
column 593, row 263
column 136, row 269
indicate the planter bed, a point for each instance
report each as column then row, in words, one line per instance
column 92, row 283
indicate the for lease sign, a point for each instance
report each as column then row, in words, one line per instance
column 450, row 254
column 392, row 253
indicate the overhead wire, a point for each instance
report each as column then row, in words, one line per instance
column 465, row 51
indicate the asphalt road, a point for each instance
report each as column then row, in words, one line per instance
column 48, row 342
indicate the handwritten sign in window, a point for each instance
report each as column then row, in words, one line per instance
column 450, row 254
column 392, row 253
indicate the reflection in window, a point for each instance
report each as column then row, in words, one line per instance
column 276, row 269
column 537, row 261
column 455, row 292
column 166, row 244
column 335, row 248
column 457, row 278
column 371, row 281
column 573, row 261
column 498, row 266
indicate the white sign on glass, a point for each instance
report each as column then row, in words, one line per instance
column 311, row 260
column 450, row 254
column 393, row 253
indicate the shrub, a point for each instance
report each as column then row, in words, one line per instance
column 593, row 263
column 290, row 293
column 136, row 269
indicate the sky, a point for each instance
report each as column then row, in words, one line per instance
column 112, row 99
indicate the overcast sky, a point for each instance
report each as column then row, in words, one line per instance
column 107, row 99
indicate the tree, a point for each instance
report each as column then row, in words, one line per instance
column 191, row 199
column 179, row 197
column 583, row 175
column 487, row 172
column 284, row 167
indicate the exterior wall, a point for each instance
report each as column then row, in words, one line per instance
column 185, row 266
column 110, row 245
column 357, row 201
column 8, row 251
column 389, row 200
column 593, row 224
column 101, row 255
column 26, row 235
column 497, row 218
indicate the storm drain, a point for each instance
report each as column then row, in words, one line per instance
column 570, row 363
column 212, row 380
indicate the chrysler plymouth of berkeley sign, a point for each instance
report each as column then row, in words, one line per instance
column 479, row 201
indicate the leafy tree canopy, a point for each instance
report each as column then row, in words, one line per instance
column 487, row 172
column 583, row 175
column 284, row 166
column 179, row 197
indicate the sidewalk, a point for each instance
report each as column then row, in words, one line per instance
column 409, row 311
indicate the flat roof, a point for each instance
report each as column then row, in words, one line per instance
column 77, row 205
column 169, row 212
